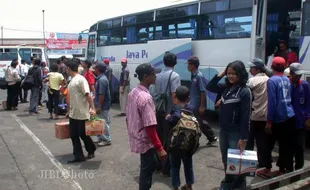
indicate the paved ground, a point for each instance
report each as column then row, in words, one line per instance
column 29, row 150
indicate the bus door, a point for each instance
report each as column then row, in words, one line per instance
column 304, row 50
column 91, row 46
column 258, row 36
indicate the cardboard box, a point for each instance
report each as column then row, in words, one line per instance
column 245, row 163
column 4, row 105
column 62, row 130
column 94, row 127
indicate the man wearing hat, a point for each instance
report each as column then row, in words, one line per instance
column 301, row 105
column 141, row 125
column 102, row 102
column 124, row 86
column 280, row 115
column 258, row 86
column 109, row 74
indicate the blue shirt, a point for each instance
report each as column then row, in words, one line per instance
column 198, row 86
column 280, row 108
column 102, row 88
column 301, row 103
column 124, row 76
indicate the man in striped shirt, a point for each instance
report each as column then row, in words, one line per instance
column 141, row 125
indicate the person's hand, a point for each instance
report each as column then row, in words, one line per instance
column 121, row 90
column 202, row 110
column 222, row 74
column 67, row 115
column 268, row 128
column 241, row 145
column 162, row 154
column 168, row 117
column 218, row 103
column 98, row 110
column 307, row 124
column 92, row 112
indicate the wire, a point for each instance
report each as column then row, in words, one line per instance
column 21, row 30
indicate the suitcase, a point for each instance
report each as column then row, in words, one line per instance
column 62, row 130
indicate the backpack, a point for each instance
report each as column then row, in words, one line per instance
column 185, row 135
column 28, row 81
column 161, row 99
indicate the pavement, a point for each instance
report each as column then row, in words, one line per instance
column 31, row 158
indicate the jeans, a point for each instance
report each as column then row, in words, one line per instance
column 34, row 99
column 106, row 136
column 53, row 101
column 12, row 95
column 77, row 131
column 148, row 163
column 229, row 139
column 204, row 125
column 176, row 156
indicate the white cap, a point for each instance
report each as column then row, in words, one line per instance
column 287, row 72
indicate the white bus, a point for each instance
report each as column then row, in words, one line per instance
column 8, row 53
column 217, row 31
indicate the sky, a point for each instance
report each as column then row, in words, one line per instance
column 66, row 16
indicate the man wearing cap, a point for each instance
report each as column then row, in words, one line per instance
column 280, row 115
column 198, row 98
column 141, row 125
column 258, row 86
column 102, row 102
column 124, row 86
column 109, row 74
column 301, row 105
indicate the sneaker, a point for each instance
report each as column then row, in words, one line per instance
column 212, row 142
column 104, row 143
column 97, row 141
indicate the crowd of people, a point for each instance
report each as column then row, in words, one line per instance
column 262, row 109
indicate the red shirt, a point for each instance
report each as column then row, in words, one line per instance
column 89, row 76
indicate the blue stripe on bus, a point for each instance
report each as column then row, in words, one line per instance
column 302, row 58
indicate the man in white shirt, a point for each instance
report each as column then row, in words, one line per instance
column 13, row 79
column 22, row 71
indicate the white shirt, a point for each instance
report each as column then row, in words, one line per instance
column 22, row 70
column 11, row 75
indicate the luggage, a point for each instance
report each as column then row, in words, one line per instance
column 94, row 126
column 62, row 130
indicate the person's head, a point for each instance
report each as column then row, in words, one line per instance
column 37, row 62
column 78, row 61
column 278, row 64
column 106, row 61
column 58, row 61
column 182, row 95
column 43, row 64
column 100, row 68
column 147, row 73
column 23, row 61
column 124, row 62
column 14, row 63
column 257, row 66
column 193, row 63
column 63, row 59
column 86, row 64
column 296, row 72
column 236, row 73
column 170, row 59
column 32, row 60
column 54, row 68
column 72, row 68
column 282, row 45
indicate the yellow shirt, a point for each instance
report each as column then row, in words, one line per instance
column 55, row 80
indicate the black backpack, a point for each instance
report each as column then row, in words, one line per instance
column 161, row 99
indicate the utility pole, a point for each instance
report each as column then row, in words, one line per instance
column 43, row 27
column 2, row 34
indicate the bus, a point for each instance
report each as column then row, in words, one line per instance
column 217, row 31
column 8, row 53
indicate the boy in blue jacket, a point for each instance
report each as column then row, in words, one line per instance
column 301, row 104
column 176, row 155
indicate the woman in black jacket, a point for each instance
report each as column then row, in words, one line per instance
column 235, row 109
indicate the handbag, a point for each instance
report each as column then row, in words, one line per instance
column 3, row 83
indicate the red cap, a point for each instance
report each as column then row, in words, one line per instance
column 106, row 61
column 123, row 60
column 278, row 61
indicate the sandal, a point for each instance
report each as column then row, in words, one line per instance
column 265, row 173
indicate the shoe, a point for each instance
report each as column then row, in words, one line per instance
column 75, row 160
column 186, row 187
column 212, row 142
column 104, row 143
column 90, row 156
column 97, row 141
column 264, row 173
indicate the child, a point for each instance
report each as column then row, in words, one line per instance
column 176, row 155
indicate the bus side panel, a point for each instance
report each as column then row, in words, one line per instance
column 304, row 52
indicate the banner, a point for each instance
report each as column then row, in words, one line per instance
column 66, row 41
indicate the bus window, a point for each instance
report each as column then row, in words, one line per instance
column 8, row 54
column 37, row 53
column 306, row 19
column 25, row 53
column 91, row 47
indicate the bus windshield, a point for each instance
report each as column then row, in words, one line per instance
column 8, row 54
